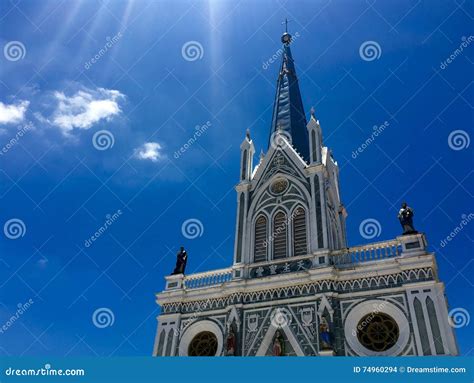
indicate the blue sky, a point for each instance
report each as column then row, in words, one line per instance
column 72, row 69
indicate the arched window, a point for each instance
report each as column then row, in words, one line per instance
column 260, row 252
column 203, row 344
column 279, row 236
column 159, row 351
column 299, row 232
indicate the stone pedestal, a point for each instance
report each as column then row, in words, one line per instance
column 174, row 282
column 327, row 353
column 413, row 244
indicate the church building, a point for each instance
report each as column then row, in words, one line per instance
column 295, row 288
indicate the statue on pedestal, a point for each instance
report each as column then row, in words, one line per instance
column 230, row 343
column 278, row 345
column 181, row 260
column 324, row 334
column 405, row 215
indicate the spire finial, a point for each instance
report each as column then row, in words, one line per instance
column 286, row 37
column 247, row 134
column 262, row 155
column 312, row 111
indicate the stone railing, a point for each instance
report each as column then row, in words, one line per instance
column 411, row 245
column 365, row 253
column 209, row 278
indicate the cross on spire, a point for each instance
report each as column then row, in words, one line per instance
column 286, row 24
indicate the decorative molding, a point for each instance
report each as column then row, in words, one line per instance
column 307, row 289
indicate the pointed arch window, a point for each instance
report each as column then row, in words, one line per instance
column 260, row 251
column 300, row 246
column 280, row 248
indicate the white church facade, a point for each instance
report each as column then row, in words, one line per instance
column 295, row 287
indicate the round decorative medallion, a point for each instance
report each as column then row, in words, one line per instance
column 378, row 332
column 203, row 344
column 279, row 186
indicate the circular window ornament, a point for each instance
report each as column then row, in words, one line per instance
column 203, row 344
column 201, row 338
column 279, row 186
column 356, row 328
column 378, row 332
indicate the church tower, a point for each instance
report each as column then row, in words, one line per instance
column 294, row 287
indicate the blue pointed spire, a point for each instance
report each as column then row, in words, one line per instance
column 288, row 112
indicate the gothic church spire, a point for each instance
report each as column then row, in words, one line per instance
column 288, row 112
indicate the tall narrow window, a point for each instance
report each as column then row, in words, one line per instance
column 313, row 147
column 261, row 244
column 319, row 220
column 438, row 340
column 240, row 225
column 244, row 165
column 279, row 236
column 299, row 232
column 159, row 351
column 420, row 320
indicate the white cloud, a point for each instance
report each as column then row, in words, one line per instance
column 85, row 108
column 13, row 113
column 149, row 151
